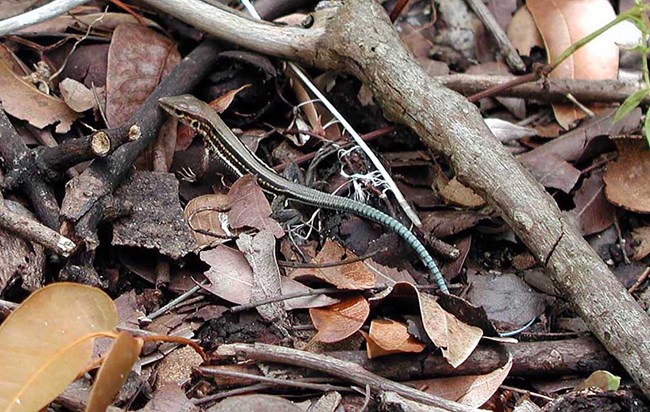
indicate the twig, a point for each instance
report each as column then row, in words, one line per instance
column 46, row 12
column 30, row 229
column 642, row 278
column 173, row 303
column 232, row 392
column 525, row 392
column 215, row 371
column 280, row 298
column 344, row 370
column 505, row 48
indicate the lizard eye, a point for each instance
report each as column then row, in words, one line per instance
column 194, row 124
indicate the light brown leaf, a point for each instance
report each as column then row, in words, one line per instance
column 354, row 276
column 138, row 58
column 523, row 33
column 221, row 103
column 114, row 371
column 206, row 213
column 24, row 101
column 230, row 276
column 641, row 242
column 626, row 179
column 471, row 390
column 77, row 95
column 458, row 194
column 387, row 337
column 337, row 322
column 46, row 342
column 249, row 207
column 562, row 23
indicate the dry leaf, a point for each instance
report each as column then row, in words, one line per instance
column 45, row 343
column 170, row 398
column 641, row 242
column 24, row 101
column 387, row 337
column 626, row 178
column 562, row 23
column 337, row 322
column 249, row 207
column 258, row 402
column 114, row 371
column 458, row 194
column 80, row 21
column 208, row 213
column 471, row 390
column 593, row 213
column 523, row 33
column 138, row 59
column 77, row 95
column 354, row 276
column 230, row 276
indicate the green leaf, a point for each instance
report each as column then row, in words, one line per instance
column 630, row 104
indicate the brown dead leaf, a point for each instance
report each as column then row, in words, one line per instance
column 138, row 59
column 471, row 390
column 24, row 101
column 170, row 398
column 76, row 95
column 626, row 178
column 523, row 33
column 337, row 322
column 46, row 342
column 593, row 213
column 456, row 339
column 290, row 286
column 387, row 337
column 458, row 194
column 249, row 207
column 114, row 371
column 257, row 402
column 562, row 23
column 354, row 276
column 230, row 276
column 641, row 242
column 207, row 213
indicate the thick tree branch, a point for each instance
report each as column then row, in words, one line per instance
column 356, row 37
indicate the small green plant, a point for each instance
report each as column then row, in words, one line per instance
column 638, row 15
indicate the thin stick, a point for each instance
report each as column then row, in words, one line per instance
column 280, row 298
column 46, row 12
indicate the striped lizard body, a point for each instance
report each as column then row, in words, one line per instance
column 236, row 157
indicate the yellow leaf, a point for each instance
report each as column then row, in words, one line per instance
column 114, row 371
column 46, row 342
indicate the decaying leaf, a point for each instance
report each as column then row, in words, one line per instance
column 387, row 337
column 24, row 101
column 593, row 213
column 337, row 322
column 138, row 58
column 230, row 276
column 562, row 23
column 46, row 342
column 354, row 276
column 472, row 390
column 114, row 371
column 249, row 207
column 626, row 179
column 456, row 339
column 77, row 95
column 207, row 213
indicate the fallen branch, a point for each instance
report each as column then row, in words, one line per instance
column 356, row 37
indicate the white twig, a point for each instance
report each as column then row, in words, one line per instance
column 46, row 12
column 388, row 180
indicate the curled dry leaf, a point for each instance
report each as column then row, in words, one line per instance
column 387, row 337
column 354, row 276
column 114, row 371
column 456, row 339
column 207, row 213
column 626, row 179
column 47, row 342
column 24, row 101
column 77, row 95
column 562, row 23
column 337, row 322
